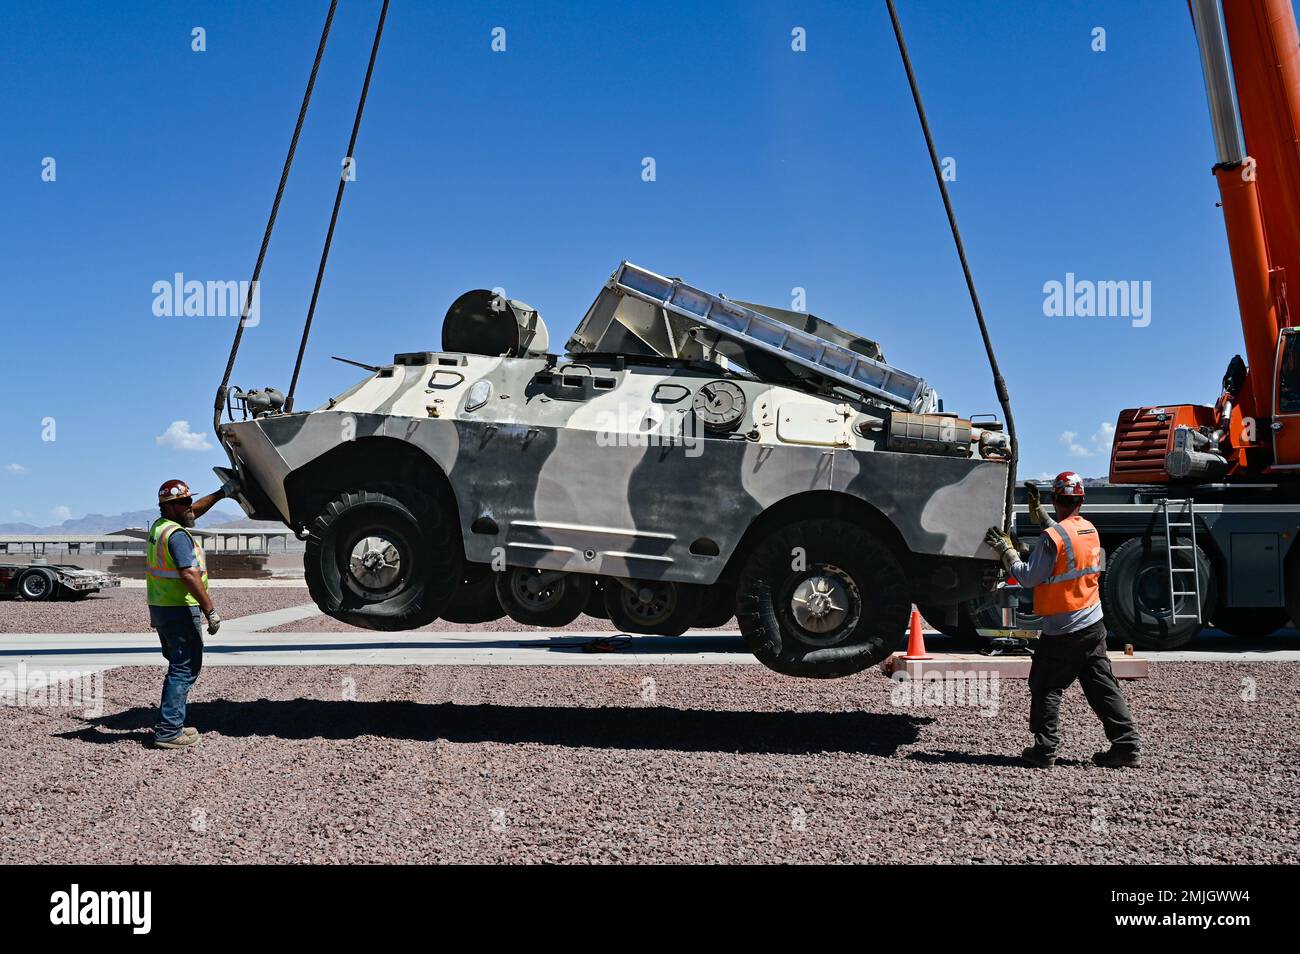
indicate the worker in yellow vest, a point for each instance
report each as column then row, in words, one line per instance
column 176, row 578
column 1065, row 571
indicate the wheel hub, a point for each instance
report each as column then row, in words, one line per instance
column 820, row 603
column 376, row 563
column 538, row 590
column 650, row 603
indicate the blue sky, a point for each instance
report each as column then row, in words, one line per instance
column 522, row 169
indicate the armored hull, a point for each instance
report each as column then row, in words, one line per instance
column 665, row 489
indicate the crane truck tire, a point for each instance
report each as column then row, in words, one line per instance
column 37, row 586
column 1136, row 599
column 384, row 558
column 822, row 598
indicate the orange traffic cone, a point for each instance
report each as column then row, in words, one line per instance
column 915, row 642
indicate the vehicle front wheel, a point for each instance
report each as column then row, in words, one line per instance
column 386, row 558
column 822, row 598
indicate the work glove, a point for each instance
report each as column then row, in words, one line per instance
column 214, row 622
column 1037, row 512
column 230, row 488
column 1022, row 548
column 1002, row 546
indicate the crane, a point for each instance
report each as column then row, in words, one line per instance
column 1250, row 55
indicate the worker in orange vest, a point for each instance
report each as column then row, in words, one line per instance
column 1065, row 571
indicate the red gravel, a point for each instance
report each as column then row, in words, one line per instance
column 726, row 764
column 124, row 610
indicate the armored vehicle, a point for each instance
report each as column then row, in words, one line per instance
column 688, row 458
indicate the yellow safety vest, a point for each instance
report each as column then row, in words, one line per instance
column 162, row 580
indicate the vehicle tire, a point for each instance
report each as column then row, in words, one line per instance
column 475, row 599
column 1250, row 621
column 37, row 586
column 845, row 610
column 385, row 558
column 653, row 607
column 1135, row 594
column 717, row 606
column 595, row 607
column 963, row 629
column 557, row 602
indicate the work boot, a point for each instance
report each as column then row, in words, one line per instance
column 182, row 741
column 189, row 730
column 1037, row 757
column 1116, row 758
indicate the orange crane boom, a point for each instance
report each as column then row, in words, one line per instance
column 1250, row 55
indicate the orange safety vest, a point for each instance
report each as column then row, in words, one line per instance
column 1076, row 578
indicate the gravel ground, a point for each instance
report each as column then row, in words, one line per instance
column 656, row 764
column 583, row 624
column 125, row 610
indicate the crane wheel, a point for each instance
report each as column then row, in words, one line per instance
column 1136, row 597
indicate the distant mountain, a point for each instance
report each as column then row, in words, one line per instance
column 95, row 523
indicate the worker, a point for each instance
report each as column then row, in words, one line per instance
column 176, row 579
column 1065, row 571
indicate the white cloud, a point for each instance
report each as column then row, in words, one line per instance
column 1096, row 446
column 61, row 512
column 20, row 514
column 18, row 469
column 178, row 436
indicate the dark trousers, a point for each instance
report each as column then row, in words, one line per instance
column 1058, row 661
column 181, row 634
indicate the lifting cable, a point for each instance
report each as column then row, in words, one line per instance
column 270, row 222
column 1004, row 397
column 338, row 200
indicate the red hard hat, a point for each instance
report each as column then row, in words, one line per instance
column 173, row 490
column 1068, row 484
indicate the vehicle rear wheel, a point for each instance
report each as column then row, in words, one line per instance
column 37, row 586
column 475, row 599
column 822, row 599
column 595, row 607
column 1136, row 597
column 652, row 607
column 542, row 597
column 717, row 607
column 386, row 558
column 1250, row 620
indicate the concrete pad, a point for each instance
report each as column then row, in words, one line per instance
column 1007, row 667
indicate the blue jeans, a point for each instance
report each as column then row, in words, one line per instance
column 181, row 634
